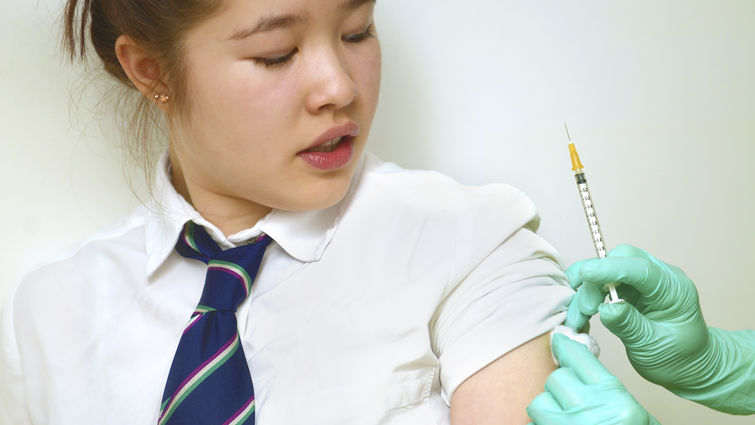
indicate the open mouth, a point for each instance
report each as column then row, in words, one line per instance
column 329, row 146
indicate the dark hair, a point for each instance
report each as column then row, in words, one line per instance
column 159, row 27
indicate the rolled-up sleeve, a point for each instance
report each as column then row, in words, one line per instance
column 498, row 301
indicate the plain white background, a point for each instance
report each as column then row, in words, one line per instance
column 659, row 97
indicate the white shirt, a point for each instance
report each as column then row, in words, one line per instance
column 372, row 311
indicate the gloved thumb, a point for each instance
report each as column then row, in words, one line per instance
column 624, row 321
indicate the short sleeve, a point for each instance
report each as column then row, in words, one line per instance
column 13, row 405
column 514, row 294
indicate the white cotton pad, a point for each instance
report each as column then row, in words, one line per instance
column 583, row 339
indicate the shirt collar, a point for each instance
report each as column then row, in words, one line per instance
column 303, row 235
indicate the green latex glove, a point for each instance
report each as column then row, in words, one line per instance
column 583, row 392
column 663, row 330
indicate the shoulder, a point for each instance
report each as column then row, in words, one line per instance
column 428, row 215
column 386, row 187
column 117, row 247
column 56, row 310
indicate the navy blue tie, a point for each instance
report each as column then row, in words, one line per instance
column 209, row 381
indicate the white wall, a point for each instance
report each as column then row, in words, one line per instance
column 659, row 97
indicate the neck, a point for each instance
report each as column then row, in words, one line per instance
column 230, row 214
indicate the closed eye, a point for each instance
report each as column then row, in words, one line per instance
column 282, row 60
column 278, row 60
column 361, row 36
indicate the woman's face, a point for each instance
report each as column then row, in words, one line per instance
column 282, row 94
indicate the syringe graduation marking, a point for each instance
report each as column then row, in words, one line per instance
column 592, row 220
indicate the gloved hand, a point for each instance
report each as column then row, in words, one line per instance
column 663, row 330
column 583, row 392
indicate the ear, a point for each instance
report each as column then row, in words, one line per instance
column 141, row 68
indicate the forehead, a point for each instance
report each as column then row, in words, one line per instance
column 299, row 9
column 236, row 19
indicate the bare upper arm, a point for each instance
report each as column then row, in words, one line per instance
column 500, row 392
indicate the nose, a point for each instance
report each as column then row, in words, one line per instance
column 333, row 86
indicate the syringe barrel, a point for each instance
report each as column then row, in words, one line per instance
column 591, row 215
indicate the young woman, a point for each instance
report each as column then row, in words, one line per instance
column 385, row 296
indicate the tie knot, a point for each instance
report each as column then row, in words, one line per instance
column 230, row 273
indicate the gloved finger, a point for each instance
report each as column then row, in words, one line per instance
column 641, row 273
column 574, row 318
column 573, row 272
column 545, row 410
column 626, row 250
column 624, row 321
column 583, row 305
column 576, row 356
column 566, row 387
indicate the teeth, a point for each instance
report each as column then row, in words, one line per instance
column 331, row 143
column 327, row 146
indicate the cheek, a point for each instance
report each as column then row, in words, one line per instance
column 262, row 92
column 240, row 102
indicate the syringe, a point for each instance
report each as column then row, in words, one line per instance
column 592, row 217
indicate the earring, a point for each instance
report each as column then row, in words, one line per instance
column 161, row 98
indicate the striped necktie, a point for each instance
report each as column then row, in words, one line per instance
column 209, row 381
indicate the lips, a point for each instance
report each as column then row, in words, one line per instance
column 333, row 149
column 331, row 137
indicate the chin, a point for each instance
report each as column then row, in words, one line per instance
column 320, row 198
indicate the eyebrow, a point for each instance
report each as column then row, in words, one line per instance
column 353, row 4
column 274, row 22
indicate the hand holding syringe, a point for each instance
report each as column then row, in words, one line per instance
column 663, row 331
